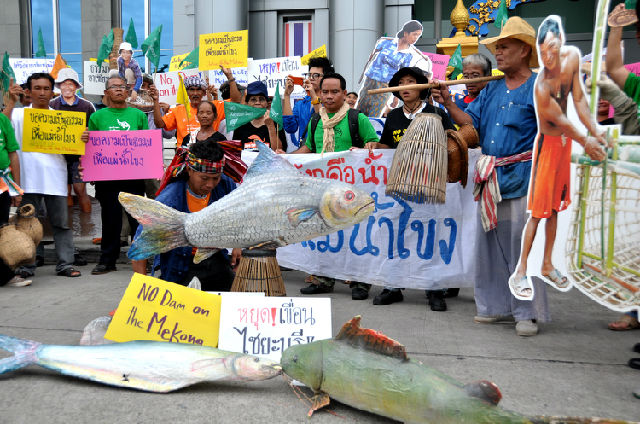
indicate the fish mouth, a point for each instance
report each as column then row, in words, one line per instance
column 367, row 205
column 277, row 368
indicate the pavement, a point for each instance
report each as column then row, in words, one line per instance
column 574, row 367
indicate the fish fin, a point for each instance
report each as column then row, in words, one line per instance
column 195, row 283
column 268, row 162
column 26, row 353
column 162, row 226
column 204, row 253
column 318, row 401
column 484, row 390
column 371, row 340
column 205, row 363
column 296, row 215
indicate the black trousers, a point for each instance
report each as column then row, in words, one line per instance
column 214, row 273
column 6, row 273
column 111, row 214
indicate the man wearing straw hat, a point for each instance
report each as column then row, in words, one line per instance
column 505, row 118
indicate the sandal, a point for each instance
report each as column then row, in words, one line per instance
column 625, row 323
column 521, row 288
column 69, row 272
column 554, row 278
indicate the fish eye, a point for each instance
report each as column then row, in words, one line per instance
column 295, row 359
column 256, row 359
column 349, row 195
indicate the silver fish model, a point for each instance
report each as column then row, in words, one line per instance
column 275, row 205
column 143, row 365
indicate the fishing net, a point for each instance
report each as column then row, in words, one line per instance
column 603, row 249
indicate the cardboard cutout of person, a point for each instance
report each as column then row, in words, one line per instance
column 388, row 56
column 550, row 184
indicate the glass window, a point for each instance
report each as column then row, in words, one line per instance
column 134, row 9
column 162, row 14
column 42, row 18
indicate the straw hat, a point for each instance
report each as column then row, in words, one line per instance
column 518, row 28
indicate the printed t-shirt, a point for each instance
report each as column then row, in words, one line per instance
column 40, row 173
column 342, row 135
column 176, row 119
column 118, row 119
column 632, row 89
column 248, row 134
column 397, row 123
column 8, row 142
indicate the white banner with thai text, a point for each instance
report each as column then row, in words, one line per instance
column 402, row 244
column 272, row 71
column 95, row 77
column 24, row 67
column 168, row 83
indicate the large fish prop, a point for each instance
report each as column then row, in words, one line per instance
column 143, row 365
column 274, row 206
column 369, row 371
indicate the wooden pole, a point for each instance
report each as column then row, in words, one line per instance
column 434, row 85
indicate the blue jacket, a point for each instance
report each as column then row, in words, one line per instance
column 174, row 264
column 302, row 112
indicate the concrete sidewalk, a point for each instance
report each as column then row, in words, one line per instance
column 574, row 367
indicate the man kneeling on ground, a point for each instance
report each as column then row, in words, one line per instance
column 196, row 183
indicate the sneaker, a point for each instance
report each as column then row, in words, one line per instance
column 526, row 328
column 18, row 281
column 387, row 297
column 436, row 300
column 492, row 319
column 103, row 269
column 316, row 289
column 358, row 293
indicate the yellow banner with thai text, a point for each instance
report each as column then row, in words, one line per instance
column 229, row 49
column 174, row 65
column 153, row 309
column 53, row 131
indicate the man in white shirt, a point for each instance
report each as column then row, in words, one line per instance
column 43, row 177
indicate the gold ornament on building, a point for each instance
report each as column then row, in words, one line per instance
column 460, row 20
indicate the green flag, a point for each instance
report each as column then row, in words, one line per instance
column 456, row 63
column 131, row 36
column 105, row 48
column 151, row 46
column 630, row 4
column 41, row 51
column 193, row 58
column 502, row 16
column 276, row 107
column 7, row 72
column 237, row 114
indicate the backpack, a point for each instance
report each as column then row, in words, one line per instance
column 352, row 117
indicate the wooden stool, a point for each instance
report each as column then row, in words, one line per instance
column 259, row 272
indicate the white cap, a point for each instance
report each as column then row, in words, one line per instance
column 125, row 46
column 67, row 74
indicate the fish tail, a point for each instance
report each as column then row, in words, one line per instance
column 26, row 353
column 162, row 226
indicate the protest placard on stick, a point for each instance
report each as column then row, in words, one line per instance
column 229, row 49
column 53, row 131
column 123, row 155
column 95, row 77
column 153, row 309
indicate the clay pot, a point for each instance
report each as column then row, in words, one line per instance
column 457, row 158
column 28, row 223
column 16, row 247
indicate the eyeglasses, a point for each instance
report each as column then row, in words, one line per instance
column 117, row 87
column 313, row 76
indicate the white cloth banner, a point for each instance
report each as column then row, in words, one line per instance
column 402, row 244
column 272, row 71
column 217, row 78
column 24, row 67
column 95, row 77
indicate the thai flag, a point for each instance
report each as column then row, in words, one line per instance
column 297, row 38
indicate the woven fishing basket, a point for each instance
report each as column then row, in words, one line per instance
column 27, row 222
column 259, row 271
column 16, row 248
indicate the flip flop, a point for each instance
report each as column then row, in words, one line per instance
column 556, row 279
column 625, row 323
column 519, row 287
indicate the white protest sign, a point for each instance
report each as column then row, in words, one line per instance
column 168, row 83
column 272, row 71
column 95, row 77
column 25, row 67
column 217, row 78
column 268, row 326
column 402, row 244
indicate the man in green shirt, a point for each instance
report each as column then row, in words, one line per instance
column 116, row 117
column 336, row 128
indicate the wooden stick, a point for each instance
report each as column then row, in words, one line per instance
column 434, row 85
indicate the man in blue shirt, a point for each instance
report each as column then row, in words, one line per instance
column 298, row 119
column 504, row 115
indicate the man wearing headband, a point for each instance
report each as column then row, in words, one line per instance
column 197, row 88
column 196, row 182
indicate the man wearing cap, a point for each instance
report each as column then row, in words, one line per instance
column 504, row 115
column 550, row 188
column 67, row 82
column 195, row 183
column 127, row 62
column 197, row 88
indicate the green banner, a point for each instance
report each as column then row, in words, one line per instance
column 237, row 115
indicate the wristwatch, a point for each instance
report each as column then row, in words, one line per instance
column 316, row 101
